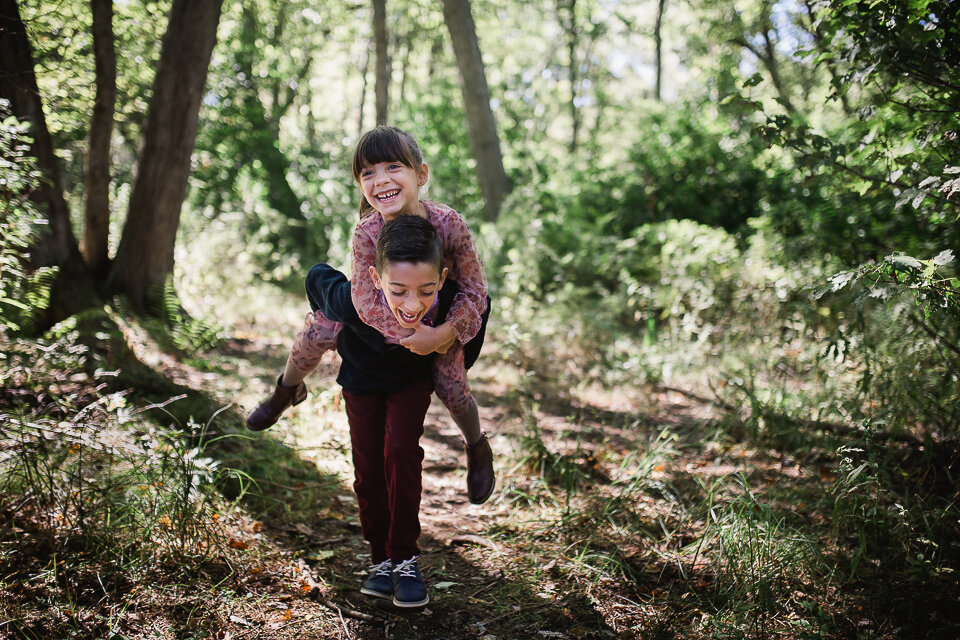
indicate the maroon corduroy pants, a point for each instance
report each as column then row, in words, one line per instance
column 385, row 432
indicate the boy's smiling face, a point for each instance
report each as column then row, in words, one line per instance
column 410, row 289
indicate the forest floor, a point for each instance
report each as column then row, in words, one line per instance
column 487, row 575
column 605, row 524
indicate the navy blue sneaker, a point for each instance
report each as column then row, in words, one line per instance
column 379, row 583
column 409, row 589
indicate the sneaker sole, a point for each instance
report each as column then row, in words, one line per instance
column 398, row 603
column 376, row 594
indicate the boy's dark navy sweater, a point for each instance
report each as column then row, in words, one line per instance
column 370, row 364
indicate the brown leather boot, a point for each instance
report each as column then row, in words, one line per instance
column 268, row 412
column 480, row 477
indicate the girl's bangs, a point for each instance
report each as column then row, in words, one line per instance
column 383, row 145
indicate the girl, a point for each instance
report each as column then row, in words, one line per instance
column 388, row 166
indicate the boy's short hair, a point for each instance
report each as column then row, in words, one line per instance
column 408, row 238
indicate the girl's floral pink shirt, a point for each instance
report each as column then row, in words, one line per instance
column 459, row 257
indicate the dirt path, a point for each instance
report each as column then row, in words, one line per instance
column 480, row 582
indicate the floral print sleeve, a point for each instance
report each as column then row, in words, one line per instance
column 366, row 297
column 464, row 265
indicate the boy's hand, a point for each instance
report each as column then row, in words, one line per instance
column 425, row 340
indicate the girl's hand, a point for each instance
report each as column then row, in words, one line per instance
column 425, row 340
column 446, row 347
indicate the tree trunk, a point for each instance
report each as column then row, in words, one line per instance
column 262, row 139
column 73, row 289
column 573, row 68
column 18, row 84
column 408, row 40
column 481, row 126
column 145, row 255
column 363, row 89
column 383, row 63
column 658, row 45
column 96, row 228
column 770, row 62
column 814, row 30
column 768, row 56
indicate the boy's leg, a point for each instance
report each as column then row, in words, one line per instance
column 406, row 410
column 403, row 456
column 367, row 418
column 453, row 389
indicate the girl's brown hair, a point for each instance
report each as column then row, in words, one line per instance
column 384, row 144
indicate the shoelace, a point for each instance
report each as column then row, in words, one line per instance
column 383, row 569
column 407, row 568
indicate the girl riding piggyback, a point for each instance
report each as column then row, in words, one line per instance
column 388, row 166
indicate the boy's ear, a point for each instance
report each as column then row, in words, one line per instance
column 443, row 278
column 375, row 277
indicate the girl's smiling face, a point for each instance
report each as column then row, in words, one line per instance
column 410, row 289
column 392, row 188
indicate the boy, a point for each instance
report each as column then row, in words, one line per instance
column 386, row 389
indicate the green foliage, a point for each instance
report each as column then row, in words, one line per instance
column 186, row 332
column 84, row 468
column 759, row 560
column 935, row 291
column 62, row 42
column 685, row 164
column 889, row 528
column 900, row 154
column 23, row 293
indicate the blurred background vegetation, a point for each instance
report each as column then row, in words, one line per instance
column 753, row 202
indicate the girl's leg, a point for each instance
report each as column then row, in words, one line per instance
column 318, row 336
column 450, row 381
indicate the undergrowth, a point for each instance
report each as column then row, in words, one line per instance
column 824, row 475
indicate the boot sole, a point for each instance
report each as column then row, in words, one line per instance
column 486, row 497
column 411, row 605
column 298, row 398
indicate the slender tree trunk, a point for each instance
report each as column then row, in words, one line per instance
column 18, row 84
column 96, row 183
column 73, row 289
column 574, row 66
column 436, row 51
column 768, row 56
column 262, row 139
column 405, row 64
column 817, row 34
column 311, row 123
column 145, row 255
column 658, row 45
column 481, row 126
column 769, row 59
column 363, row 89
column 383, row 63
